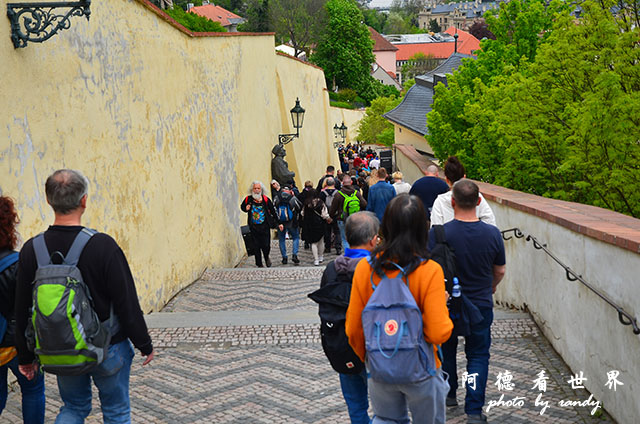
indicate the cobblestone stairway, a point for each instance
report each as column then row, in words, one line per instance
column 242, row 346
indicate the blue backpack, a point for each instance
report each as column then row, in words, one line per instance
column 285, row 214
column 5, row 263
column 397, row 352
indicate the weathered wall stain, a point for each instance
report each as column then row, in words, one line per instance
column 169, row 129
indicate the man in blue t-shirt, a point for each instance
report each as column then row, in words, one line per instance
column 480, row 261
column 429, row 187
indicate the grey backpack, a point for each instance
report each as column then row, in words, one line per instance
column 64, row 330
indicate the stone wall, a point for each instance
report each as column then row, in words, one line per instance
column 170, row 127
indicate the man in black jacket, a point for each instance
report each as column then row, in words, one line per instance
column 106, row 273
column 335, row 289
column 336, row 212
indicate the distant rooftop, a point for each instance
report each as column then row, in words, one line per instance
column 418, row 38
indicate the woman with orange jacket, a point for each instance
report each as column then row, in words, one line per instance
column 404, row 242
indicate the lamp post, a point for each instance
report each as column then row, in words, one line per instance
column 339, row 131
column 297, row 118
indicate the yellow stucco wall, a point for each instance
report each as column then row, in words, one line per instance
column 403, row 135
column 169, row 129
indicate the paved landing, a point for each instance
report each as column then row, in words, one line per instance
column 242, row 346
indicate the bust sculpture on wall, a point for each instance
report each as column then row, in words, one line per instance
column 279, row 167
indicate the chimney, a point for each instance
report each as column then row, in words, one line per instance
column 455, row 45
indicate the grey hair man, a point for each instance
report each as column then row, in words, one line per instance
column 480, row 265
column 106, row 272
column 429, row 187
column 362, row 233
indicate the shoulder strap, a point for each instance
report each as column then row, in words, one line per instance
column 8, row 260
column 79, row 243
column 42, row 253
column 439, row 232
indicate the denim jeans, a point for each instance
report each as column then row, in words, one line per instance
column 112, row 380
column 354, row 391
column 295, row 235
column 32, row 393
column 425, row 399
column 345, row 245
column 476, row 349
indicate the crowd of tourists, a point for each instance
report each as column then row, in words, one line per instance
column 418, row 271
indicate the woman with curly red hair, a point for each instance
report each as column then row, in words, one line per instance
column 32, row 390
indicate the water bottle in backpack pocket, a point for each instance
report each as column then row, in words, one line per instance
column 396, row 351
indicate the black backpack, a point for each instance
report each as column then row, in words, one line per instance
column 333, row 300
column 445, row 255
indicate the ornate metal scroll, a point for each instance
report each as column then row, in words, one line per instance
column 37, row 22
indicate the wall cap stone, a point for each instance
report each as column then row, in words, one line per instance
column 598, row 223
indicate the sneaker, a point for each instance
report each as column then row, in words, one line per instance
column 476, row 418
column 284, row 261
column 451, row 402
column 260, row 265
column 268, row 262
column 321, row 259
column 316, row 263
column 295, row 259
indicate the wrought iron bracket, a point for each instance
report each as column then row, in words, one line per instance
column 37, row 22
column 286, row 138
column 516, row 232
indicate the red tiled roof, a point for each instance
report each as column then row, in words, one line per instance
column 382, row 45
column 392, row 74
column 215, row 13
column 469, row 42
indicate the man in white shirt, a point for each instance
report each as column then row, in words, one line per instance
column 374, row 163
column 442, row 211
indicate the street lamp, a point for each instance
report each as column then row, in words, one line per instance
column 297, row 118
column 339, row 131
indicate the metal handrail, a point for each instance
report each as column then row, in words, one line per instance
column 624, row 317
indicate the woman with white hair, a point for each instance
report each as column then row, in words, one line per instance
column 261, row 217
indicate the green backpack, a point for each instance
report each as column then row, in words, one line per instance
column 64, row 330
column 351, row 204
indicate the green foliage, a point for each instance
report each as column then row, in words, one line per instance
column 434, row 26
column 345, row 49
column 347, row 94
column 344, row 105
column 373, row 126
column 551, row 107
column 419, row 64
column 299, row 22
column 194, row 22
column 375, row 19
column 257, row 17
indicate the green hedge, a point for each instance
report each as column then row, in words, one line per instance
column 194, row 22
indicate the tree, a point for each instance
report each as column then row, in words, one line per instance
column 257, row 17
column 434, row 26
column 345, row 49
column 480, row 30
column 397, row 24
column 555, row 112
column 375, row 19
column 409, row 9
column 297, row 21
column 373, row 126
column 419, row 64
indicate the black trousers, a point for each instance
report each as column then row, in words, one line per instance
column 332, row 229
column 263, row 245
